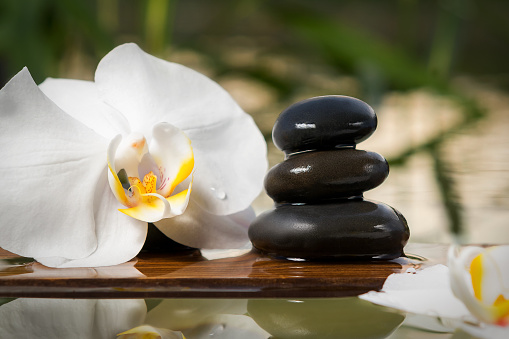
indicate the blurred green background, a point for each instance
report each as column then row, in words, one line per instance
column 435, row 71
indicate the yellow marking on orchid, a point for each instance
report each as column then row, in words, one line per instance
column 136, row 183
column 179, row 199
column 476, row 272
column 118, row 189
column 501, row 310
column 140, row 332
column 185, row 170
column 500, row 307
column 147, row 186
column 149, row 181
column 139, row 144
column 149, row 206
column 143, row 198
column 137, row 191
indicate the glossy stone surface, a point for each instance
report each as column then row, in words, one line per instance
column 318, row 176
column 323, row 123
column 353, row 228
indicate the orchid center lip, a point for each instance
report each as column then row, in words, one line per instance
column 138, row 173
column 144, row 175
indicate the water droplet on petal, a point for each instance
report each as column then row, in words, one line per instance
column 219, row 194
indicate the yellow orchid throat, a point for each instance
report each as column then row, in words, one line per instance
column 153, row 182
column 499, row 308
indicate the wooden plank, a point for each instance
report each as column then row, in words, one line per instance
column 195, row 275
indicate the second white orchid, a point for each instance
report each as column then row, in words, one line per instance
column 471, row 293
column 480, row 279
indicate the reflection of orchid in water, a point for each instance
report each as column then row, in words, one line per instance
column 150, row 332
column 127, row 319
column 198, row 319
column 174, row 147
column 471, row 294
column 67, row 318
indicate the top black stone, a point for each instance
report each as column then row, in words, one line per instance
column 322, row 123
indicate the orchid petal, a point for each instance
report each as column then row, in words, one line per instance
column 460, row 278
column 172, row 151
column 230, row 152
column 55, row 157
column 230, row 165
column 495, row 280
column 119, row 237
column 426, row 292
column 115, row 184
column 148, row 90
column 198, row 228
column 80, row 99
column 153, row 208
column 179, row 202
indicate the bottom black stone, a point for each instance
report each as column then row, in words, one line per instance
column 351, row 228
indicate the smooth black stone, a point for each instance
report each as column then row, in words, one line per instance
column 325, row 175
column 323, row 123
column 353, row 228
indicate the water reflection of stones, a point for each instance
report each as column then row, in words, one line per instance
column 350, row 318
column 319, row 187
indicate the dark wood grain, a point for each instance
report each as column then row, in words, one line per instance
column 191, row 275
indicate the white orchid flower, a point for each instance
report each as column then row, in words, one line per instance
column 153, row 139
column 480, row 279
column 470, row 294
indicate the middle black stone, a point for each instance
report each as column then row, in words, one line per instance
column 325, row 175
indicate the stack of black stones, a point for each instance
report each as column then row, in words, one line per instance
column 320, row 211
